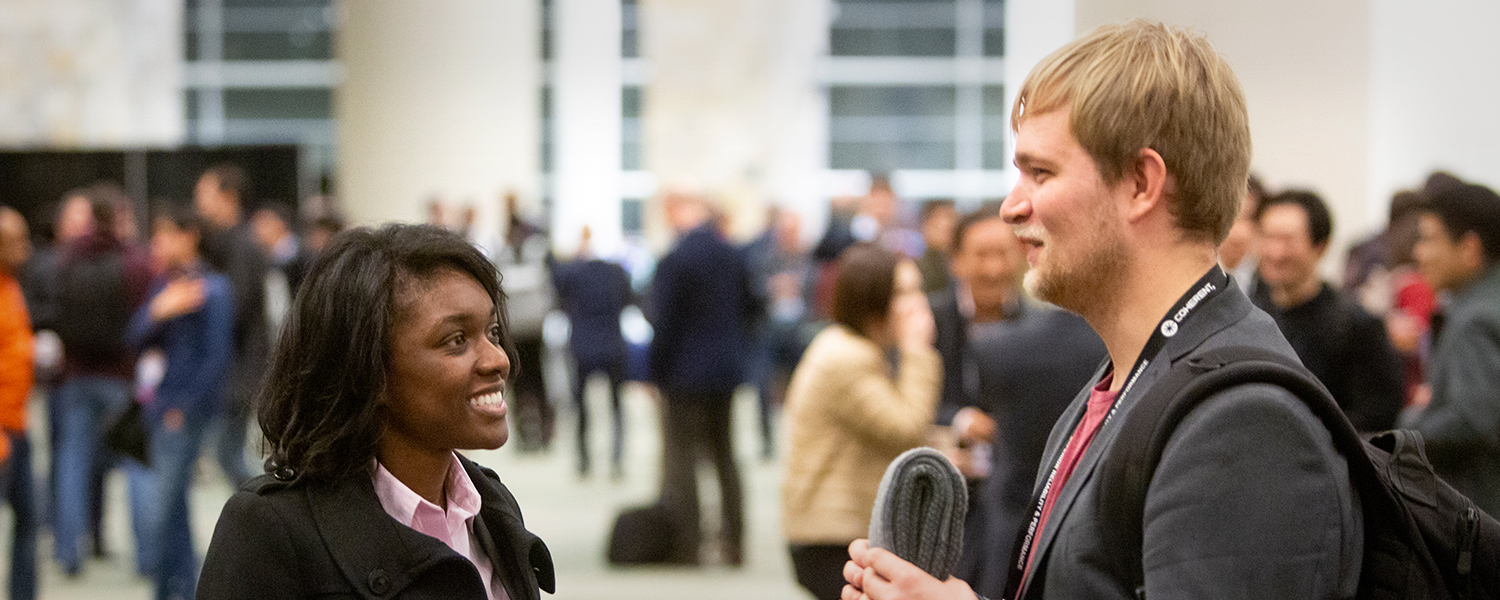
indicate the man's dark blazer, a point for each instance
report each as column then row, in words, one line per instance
column 593, row 292
column 275, row 539
column 1029, row 370
column 952, row 343
column 1249, row 500
column 701, row 311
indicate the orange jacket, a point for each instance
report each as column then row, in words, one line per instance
column 15, row 359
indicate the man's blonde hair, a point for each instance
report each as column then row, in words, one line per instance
column 1142, row 84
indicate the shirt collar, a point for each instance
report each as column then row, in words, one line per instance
column 401, row 503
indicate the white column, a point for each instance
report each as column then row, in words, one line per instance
column 586, row 116
column 1033, row 29
column 439, row 98
column 733, row 110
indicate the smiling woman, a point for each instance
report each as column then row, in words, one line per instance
column 394, row 355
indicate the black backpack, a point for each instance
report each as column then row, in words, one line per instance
column 94, row 312
column 1423, row 539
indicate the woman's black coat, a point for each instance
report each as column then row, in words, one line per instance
column 277, row 539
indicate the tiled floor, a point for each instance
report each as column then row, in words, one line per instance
column 573, row 516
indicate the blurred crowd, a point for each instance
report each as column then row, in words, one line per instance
column 901, row 325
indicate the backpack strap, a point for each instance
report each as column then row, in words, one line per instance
column 1149, row 424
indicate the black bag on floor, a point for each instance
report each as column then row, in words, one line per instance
column 643, row 536
column 1423, row 539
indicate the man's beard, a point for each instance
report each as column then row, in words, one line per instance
column 1082, row 283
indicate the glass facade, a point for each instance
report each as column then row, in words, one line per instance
column 917, row 86
column 262, row 72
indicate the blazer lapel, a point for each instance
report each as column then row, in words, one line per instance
column 1223, row 310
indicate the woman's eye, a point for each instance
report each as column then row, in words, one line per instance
column 494, row 333
column 458, row 340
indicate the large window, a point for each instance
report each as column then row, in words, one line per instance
column 262, row 72
column 915, row 87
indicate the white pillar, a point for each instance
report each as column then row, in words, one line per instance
column 733, row 110
column 439, row 98
column 1033, row 29
column 586, row 113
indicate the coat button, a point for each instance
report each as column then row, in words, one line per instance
column 379, row 583
column 285, row 474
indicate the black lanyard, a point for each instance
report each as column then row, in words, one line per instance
column 1207, row 287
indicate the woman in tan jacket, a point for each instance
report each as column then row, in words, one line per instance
column 850, row 412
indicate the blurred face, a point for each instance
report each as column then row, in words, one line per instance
column 268, row 228
column 1064, row 214
column 906, row 292
column 15, row 244
column 171, row 246
column 1446, row 263
column 937, row 231
column 213, row 204
column 76, row 220
column 446, row 370
column 989, row 262
column 1241, row 240
column 1288, row 258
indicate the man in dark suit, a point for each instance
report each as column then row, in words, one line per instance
column 230, row 247
column 701, row 307
column 593, row 292
column 1133, row 147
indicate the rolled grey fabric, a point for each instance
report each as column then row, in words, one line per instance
column 919, row 511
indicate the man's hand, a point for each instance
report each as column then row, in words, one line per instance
column 178, row 298
column 877, row 574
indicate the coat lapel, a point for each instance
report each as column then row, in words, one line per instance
column 378, row 555
column 524, row 560
column 1223, row 310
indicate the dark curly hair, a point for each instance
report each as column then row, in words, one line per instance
column 323, row 402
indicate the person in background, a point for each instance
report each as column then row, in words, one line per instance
column 782, row 278
column 1458, row 251
column 319, row 232
column 190, row 318
column 395, row 356
column 701, row 308
column 273, row 225
column 525, row 263
column 1344, row 346
column 15, row 388
column 1239, row 253
column 849, row 413
column 101, row 281
column 70, row 218
column 229, row 247
column 592, row 293
column 1381, row 273
column 935, row 222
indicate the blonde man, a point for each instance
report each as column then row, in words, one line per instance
column 1134, row 147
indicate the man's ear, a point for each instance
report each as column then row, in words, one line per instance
column 1150, row 183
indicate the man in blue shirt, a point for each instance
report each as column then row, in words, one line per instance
column 190, row 317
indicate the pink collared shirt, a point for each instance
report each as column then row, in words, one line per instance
column 453, row 526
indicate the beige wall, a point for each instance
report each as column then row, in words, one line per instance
column 439, row 97
column 1434, row 91
column 1305, row 68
